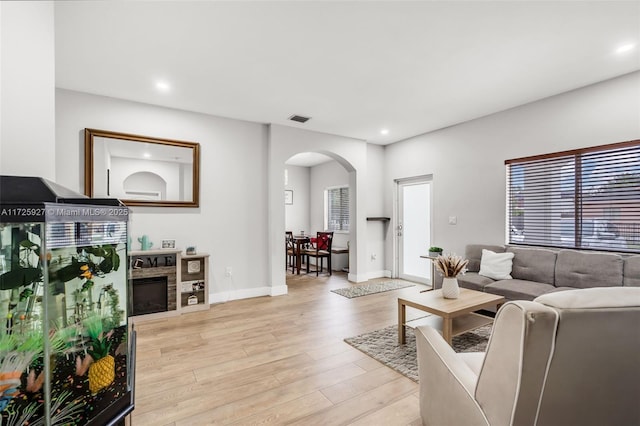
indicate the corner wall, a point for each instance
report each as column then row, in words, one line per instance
column 467, row 160
column 377, row 231
column 27, row 89
column 297, row 214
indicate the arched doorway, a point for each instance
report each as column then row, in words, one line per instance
column 317, row 199
column 351, row 154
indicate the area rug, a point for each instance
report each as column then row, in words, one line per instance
column 382, row 345
column 373, row 288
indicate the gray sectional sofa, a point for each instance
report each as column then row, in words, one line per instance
column 538, row 271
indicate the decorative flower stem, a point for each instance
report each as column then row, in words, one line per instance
column 450, row 265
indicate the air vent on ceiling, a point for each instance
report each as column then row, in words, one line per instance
column 299, row 118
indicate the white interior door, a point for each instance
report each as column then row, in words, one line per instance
column 414, row 229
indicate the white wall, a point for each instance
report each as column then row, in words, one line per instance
column 377, row 231
column 297, row 214
column 231, row 223
column 323, row 176
column 27, row 96
column 467, row 160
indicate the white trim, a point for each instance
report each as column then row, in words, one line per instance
column 398, row 183
column 360, row 278
column 225, row 296
column 379, row 274
column 279, row 290
column 139, row 194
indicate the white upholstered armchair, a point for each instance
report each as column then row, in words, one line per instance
column 567, row 358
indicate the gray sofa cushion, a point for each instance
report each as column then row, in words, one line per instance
column 519, row 289
column 632, row 271
column 473, row 252
column 473, row 281
column 533, row 264
column 583, row 270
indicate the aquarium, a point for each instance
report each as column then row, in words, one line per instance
column 66, row 349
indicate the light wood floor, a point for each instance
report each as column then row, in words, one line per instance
column 273, row 360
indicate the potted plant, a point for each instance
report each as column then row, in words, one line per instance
column 435, row 251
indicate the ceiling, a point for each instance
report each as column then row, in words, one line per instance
column 354, row 67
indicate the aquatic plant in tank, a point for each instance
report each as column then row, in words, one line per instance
column 65, row 343
column 86, row 332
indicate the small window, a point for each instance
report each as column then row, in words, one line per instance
column 336, row 213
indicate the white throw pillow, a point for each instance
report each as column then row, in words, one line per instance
column 496, row 265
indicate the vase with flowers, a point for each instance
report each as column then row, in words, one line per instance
column 450, row 266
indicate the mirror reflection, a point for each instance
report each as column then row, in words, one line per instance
column 141, row 170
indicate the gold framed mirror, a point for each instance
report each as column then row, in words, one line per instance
column 141, row 170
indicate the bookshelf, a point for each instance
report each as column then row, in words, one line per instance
column 193, row 286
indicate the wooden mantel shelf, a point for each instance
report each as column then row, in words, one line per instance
column 380, row 218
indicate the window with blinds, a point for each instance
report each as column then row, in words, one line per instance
column 337, row 209
column 79, row 234
column 585, row 199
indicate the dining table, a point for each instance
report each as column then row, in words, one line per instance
column 299, row 242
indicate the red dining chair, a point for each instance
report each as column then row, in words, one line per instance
column 320, row 250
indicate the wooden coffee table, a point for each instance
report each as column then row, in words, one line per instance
column 451, row 316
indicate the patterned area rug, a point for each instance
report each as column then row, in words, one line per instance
column 382, row 345
column 366, row 289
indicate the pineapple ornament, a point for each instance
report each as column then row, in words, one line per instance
column 102, row 371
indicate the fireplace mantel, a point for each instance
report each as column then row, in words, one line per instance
column 167, row 263
column 156, row 263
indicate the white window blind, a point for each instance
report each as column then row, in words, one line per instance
column 586, row 199
column 337, row 209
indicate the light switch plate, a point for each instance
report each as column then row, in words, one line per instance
column 453, row 220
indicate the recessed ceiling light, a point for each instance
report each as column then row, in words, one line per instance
column 625, row 48
column 384, row 131
column 163, row 86
column 146, row 155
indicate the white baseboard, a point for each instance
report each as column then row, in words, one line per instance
column 279, row 290
column 357, row 278
column 225, row 296
column 379, row 274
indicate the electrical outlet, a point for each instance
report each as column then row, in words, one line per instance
column 227, row 271
column 453, row 220
column 373, row 256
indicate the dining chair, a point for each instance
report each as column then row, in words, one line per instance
column 320, row 250
column 290, row 251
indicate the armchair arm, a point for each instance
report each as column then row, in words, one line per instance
column 447, row 384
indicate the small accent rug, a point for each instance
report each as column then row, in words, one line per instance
column 367, row 289
column 382, row 345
